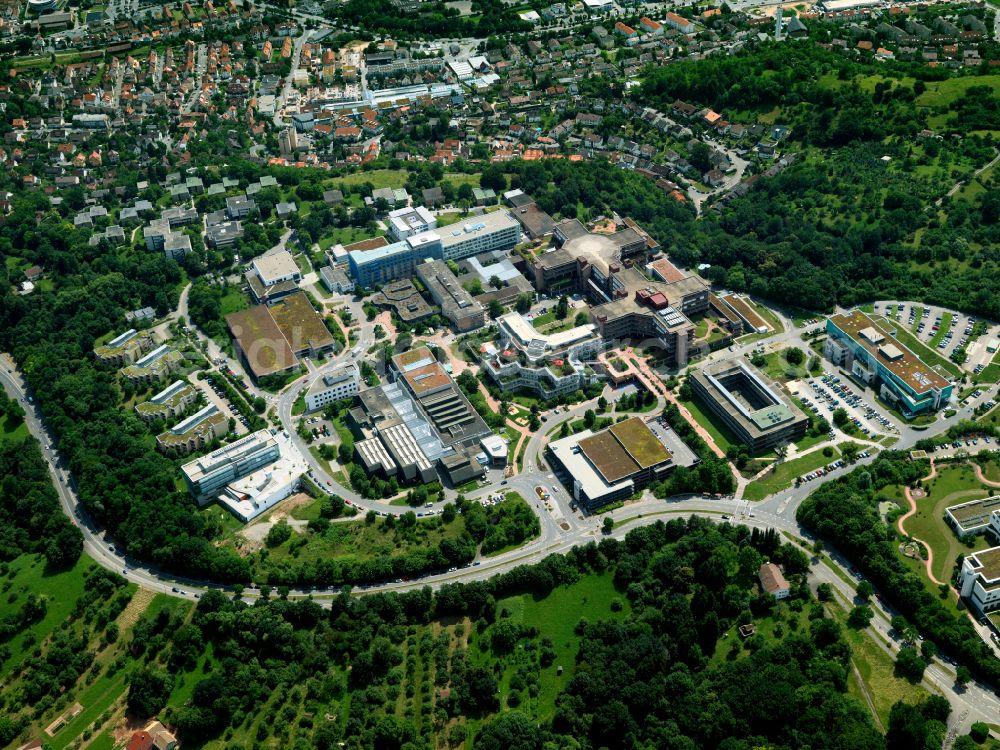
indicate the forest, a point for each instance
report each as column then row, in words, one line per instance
column 845, row 512
column 649, row 680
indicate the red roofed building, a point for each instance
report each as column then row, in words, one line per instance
column 141, row 740
column 773, row 582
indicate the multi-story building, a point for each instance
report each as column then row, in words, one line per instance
column 457, row 305
column 195, row 432
column 208, row 475
column 333, row 387
column 481, row 234
column 871, row 353
column 550, row 365
column 406, row 222
column 486, row 233
column 153, row 366
column 168, row 403
column 979, row 578
column 627, row 304
column 396, row 261
column 125, row 348
column 750, row 405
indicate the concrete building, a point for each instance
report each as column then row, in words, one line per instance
column 176, row 246
column 168, row 403
column 751, row 406
column 495, row 448
column 481, row 234
column 457, row 305
column 335, row 280
column 490, row 232
column 549, row 365
column 614, row 464
column 344, row 383
column 256, row 492
column 871, row 354
column 406, row 222
column 277, row 267
column 224, row 234
column 125, row 348
column 973, row 517
column 194, row 433
column 399, row 260
column 979, row 578
column 154, row 366
column 208, row 475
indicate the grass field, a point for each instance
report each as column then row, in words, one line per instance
column 556, row 616
column 342, row 236
column 379, row 178
column 943, row 93
column 721, row 434
column 364, row 541
column 876, row 668
column 12, row 431
column 784, row 474
column 942, row 330
column 27, row 574
column 928, row 355
column 953, row 485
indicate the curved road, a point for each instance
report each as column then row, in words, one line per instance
column 561, row 528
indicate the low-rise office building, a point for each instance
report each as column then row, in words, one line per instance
column 750, row 405
column 973, row 517
column 168, row 403
column 335, row 386
column 871, row 354
column 481, row 234
column 252, row 494
column 457, row 305
column 613, row 464
column 277, row 267
column 194, row 433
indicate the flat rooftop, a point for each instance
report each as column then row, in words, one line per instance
column 624, row 449
column 263, row 344
column 494, row 221
column 891, row 354
column 275, row 266
column 526, row 333
column 414, row 358
column 974, row 513
column 300, row 324
column 667, row 271
column 427, row 378
column 987, row 563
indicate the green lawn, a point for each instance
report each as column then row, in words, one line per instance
column 342, row 236
column 942, row 330
column 13, row 431
column 363, row 541
column 29, row 574
column 928, row 355
column 783, row 475
column 943, row 93
column 556, row 616
column 876, row 668
column 379, row 178
column 953, row 485
column 233, row 300
column 722, row 435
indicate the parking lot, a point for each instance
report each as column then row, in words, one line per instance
column 216, row 396
column 943, row 330
column 825, row 394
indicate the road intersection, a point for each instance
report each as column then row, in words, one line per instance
column 563, row 526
